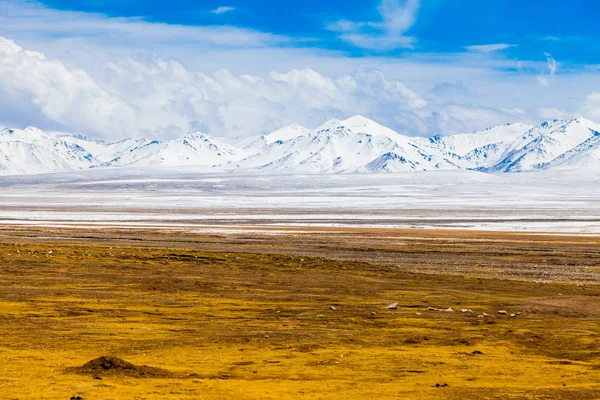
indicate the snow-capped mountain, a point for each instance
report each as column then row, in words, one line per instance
column 346, row 146
column 354, row 145
column 30, row 151
column 192, row 149
column 481, row 148
column 538, row 147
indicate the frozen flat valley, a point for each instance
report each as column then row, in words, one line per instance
column 565, row 201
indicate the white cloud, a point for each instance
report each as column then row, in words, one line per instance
column 222, row 10
column 397, row 17
column 487, row 48
column 157, row 97
column 22, row 17
column 547, row 77
column 548, row 113
column 454, row 117
column 173, row 100
column 591, row 107
column 67, row 97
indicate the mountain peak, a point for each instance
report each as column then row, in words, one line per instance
column 359, row 121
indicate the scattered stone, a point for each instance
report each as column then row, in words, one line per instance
column 480, row 316
column 433, row 309
column 450, row 309
column 502, row 312
column 76, row 398
column 466, row 310
column 98, row 378
column 373, row 313
column 332, row 308
column 320, row 315
column 419, row 314
column 440, row 385
column 513, row 315
column 477, row 352
column 393, row 306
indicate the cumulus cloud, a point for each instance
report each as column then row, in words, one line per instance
column 173, row 99
column 160, row 98
column 397, row 17
column 68, row 97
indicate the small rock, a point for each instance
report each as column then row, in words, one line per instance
column 477, row 352
column 419, row 314
column 332, row 308
column 502, row 312
column 450, row 309
column 480, row 316
column 393, row 306
column 439, row 385
column 373, row 313
column 465, row 310
column 433, row 309
column 513, row 315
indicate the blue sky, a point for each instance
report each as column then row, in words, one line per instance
column 116, row 68
column 568, row 30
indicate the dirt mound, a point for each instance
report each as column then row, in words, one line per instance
column 116, row 366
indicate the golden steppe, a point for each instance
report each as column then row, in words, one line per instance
column 292, row 313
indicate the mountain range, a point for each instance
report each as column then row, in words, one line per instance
column 354, row 145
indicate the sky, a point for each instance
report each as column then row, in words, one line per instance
column 130, row 68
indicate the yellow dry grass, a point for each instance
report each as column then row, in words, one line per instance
column 236, row 322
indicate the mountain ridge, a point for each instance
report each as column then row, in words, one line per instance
column 354, row 145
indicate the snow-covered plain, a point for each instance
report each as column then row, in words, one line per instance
column 548, row 201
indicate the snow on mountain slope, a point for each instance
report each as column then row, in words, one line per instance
column 543, row 143
column 288, row 132
column 354, row 145
column 192, row 149
column 477, row 149
column 103, row 151
column 464, row 143
column 585, row 155
column 30, row 151
column 344, row 146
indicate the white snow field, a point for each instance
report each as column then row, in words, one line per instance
column 558, row 201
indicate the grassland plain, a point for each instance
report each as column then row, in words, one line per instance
column 299, row 313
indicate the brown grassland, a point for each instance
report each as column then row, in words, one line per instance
column 298, row 313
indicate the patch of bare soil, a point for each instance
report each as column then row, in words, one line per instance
column 107, row 365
